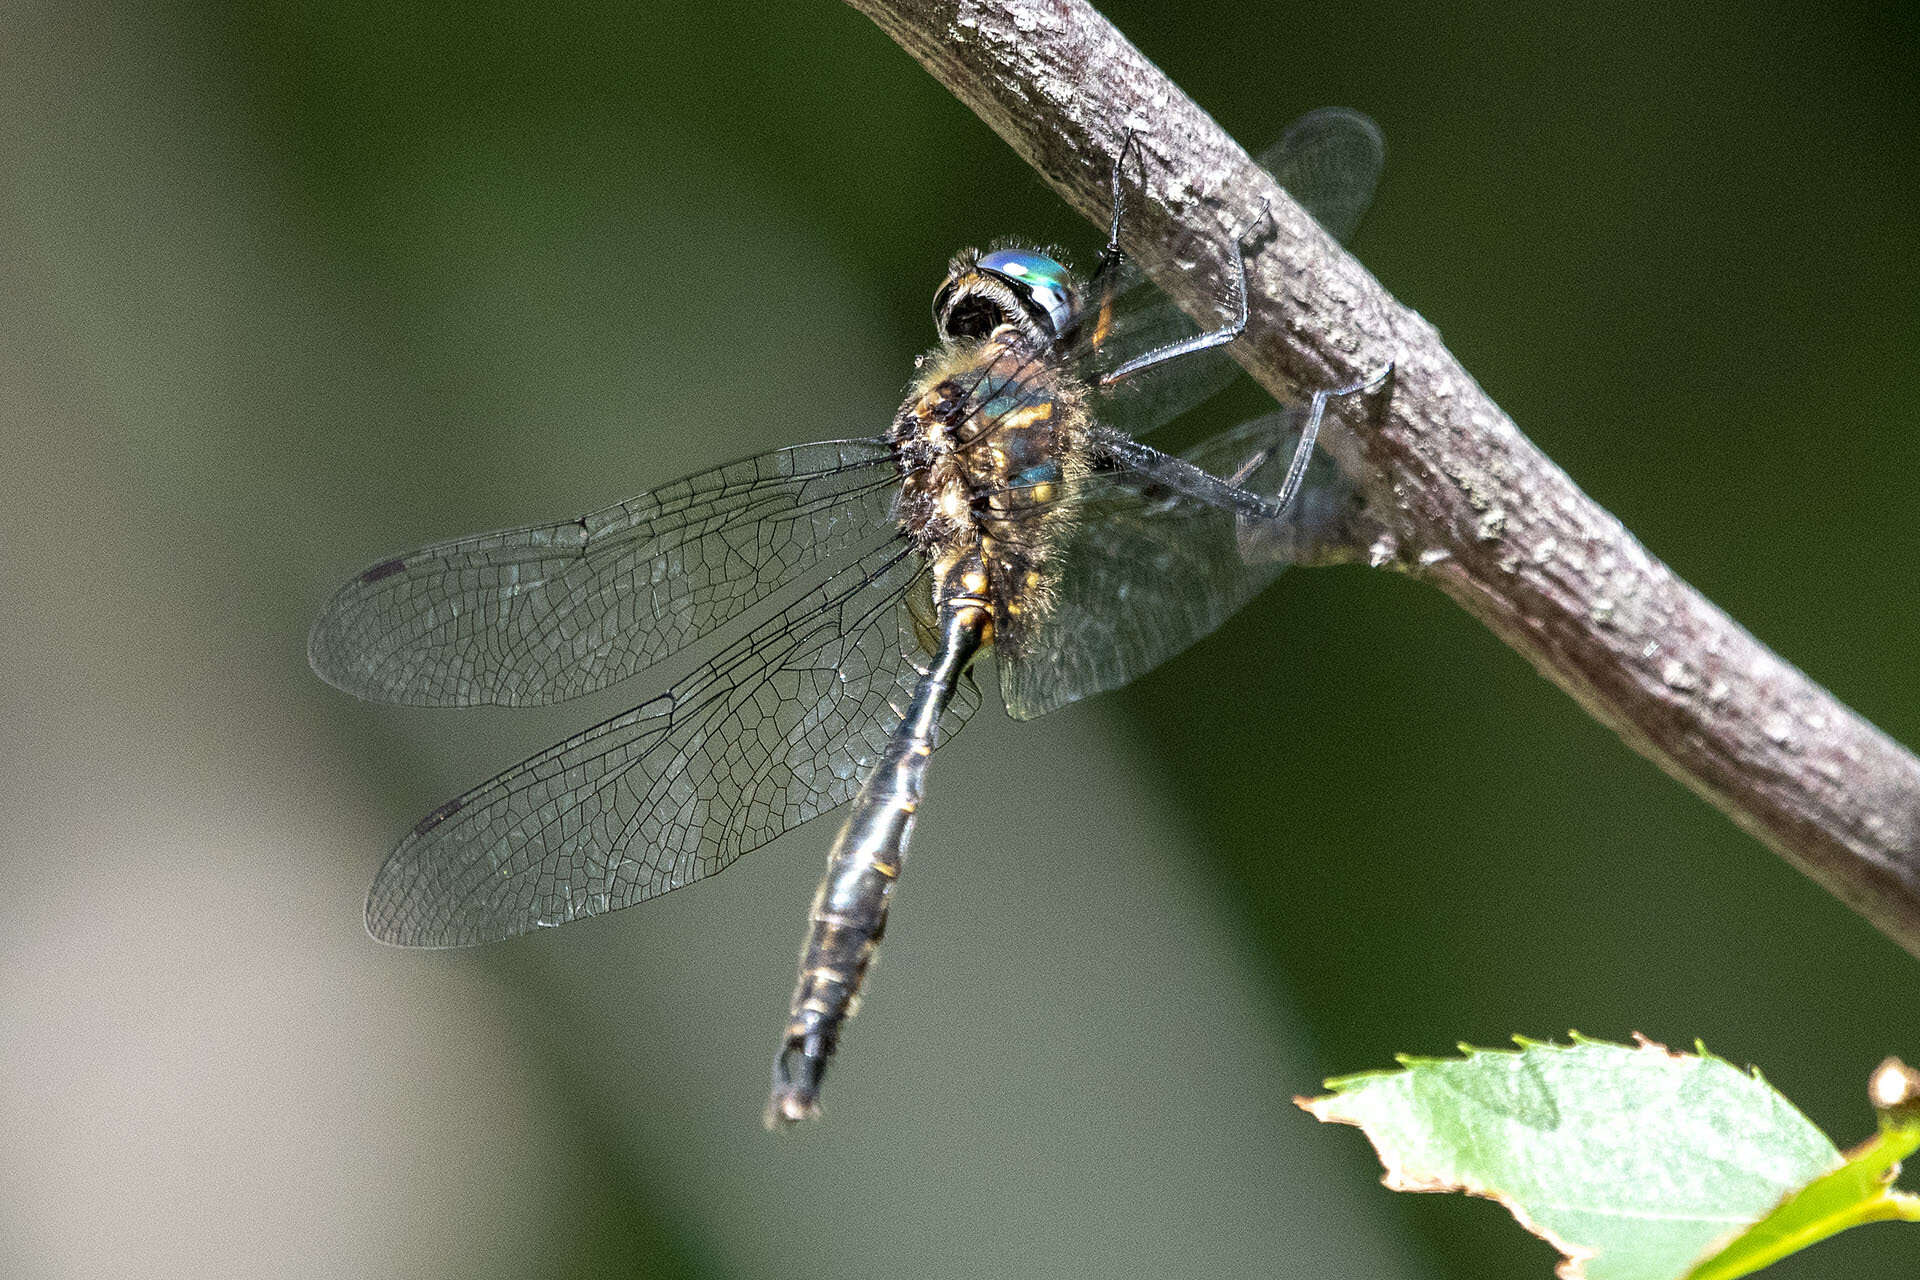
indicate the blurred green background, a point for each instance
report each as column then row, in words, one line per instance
column 286, row 288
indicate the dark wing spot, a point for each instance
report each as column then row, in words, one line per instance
column 385, row 569
column 439, row 816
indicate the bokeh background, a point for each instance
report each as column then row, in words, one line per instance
column 286, row 288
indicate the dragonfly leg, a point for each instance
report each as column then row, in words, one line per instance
column 1106, row 275
column 1184, row 477
column 1237, row 286
column 1309, row 433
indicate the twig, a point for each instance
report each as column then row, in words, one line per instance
column 1463, row 500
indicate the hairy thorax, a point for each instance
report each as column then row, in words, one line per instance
column 992, row 449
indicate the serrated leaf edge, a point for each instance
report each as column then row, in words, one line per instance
column 1574, row 1258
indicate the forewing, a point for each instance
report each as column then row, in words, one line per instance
column 1330, row 162
column 549, row 612
column 777, row 728
column 1147, row 571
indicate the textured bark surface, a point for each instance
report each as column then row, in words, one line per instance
column 1462, row 499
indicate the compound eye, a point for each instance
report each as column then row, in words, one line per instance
column 1046, row 284
column 1035, row 270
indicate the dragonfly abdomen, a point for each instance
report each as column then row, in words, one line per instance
column 849, row 911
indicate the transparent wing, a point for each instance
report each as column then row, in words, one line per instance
column 1330, row 162
column 549, row 612
column 777, row 728
column 1147, row 571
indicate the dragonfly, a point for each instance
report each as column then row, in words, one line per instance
column 836, row 597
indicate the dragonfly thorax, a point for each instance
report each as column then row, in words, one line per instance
column 992, row 445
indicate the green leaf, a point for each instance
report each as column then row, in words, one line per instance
column 1858, row 1192
column 1632, row 1160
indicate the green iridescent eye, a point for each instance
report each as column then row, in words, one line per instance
column 1028, row 268
column 1045, row 281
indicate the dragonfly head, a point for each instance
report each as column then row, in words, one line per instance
column 1021, row 287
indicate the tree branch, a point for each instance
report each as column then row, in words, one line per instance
column 1463, row 500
